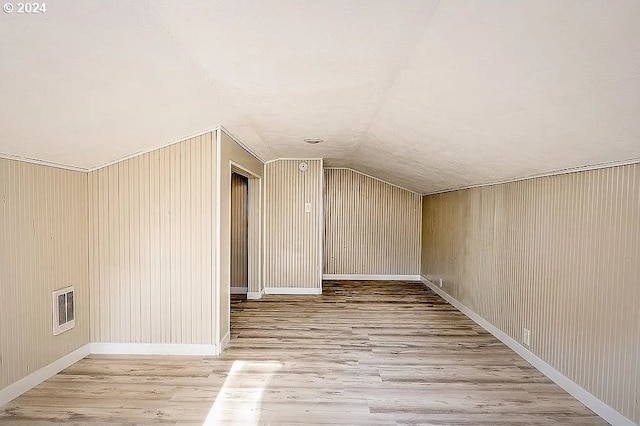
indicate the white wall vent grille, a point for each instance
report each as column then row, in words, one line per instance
column 64, row 310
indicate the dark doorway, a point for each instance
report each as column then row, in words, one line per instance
column 239, row 234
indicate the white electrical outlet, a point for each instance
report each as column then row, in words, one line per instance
column 526, row 337
column 440, row 282
column 307, row 207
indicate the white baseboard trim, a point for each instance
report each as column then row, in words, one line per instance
column 592, row 402
column 255, row 295
column 224, row 342
column 152, row 349
column 361, row 277
column 16, row 389
column 238, row 290
column 292, row 290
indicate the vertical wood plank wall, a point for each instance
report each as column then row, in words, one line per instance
column 151, row 246
column 43, row 247
column 558, row 255
column 255, row 234
column 293, row 246
column 371, row 227
column 239, row 228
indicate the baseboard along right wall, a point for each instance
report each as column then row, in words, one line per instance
column 556, row 255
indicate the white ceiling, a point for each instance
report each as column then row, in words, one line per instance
column 428, row 95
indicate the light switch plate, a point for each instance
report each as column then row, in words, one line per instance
column 307, row 207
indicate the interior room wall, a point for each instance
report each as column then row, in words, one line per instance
column 151, row 241
column 371, row 227
column 43, row 247
column 293, row 239
column 557, row 255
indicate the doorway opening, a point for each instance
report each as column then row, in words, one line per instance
column 242, row 234
column 239, row 277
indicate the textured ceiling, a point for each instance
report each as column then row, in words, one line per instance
column 424, row 94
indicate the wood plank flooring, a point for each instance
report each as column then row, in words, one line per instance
column 362, row 353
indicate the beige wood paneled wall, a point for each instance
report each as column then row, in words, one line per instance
column 43, row 247
column 371, row 227
column 558, row 255
column 293, row 246
column 151, row 245
column 239, row 228
column 255, row 235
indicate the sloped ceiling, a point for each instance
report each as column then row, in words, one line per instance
column 428, row 95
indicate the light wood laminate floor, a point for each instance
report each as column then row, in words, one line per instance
column 362, row 353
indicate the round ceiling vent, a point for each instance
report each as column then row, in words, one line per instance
column 313, row 141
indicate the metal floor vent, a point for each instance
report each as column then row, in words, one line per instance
column 64, row 310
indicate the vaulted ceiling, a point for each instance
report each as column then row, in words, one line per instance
column 429, row 95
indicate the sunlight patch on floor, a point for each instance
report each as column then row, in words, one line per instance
column 239, row 399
